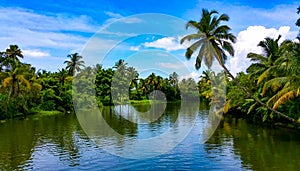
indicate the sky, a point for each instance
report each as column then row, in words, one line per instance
column 144, row 33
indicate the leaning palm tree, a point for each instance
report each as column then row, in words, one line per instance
column 74, row 64
column 213, row 41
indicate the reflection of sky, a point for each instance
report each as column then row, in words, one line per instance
column 188, row 155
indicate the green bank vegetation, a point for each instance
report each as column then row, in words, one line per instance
column 268, row 92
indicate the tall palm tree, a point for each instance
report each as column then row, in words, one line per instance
column 74, row 64
column 213, row 41
column 11, row 56
column 121, row 66
column 133, row 75
column 63, row 76
column 14, row 53
column 173, row 78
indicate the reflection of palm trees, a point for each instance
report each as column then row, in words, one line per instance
column 257, row 147
column 18, row 139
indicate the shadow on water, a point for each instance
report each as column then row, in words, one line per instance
column 47, row 134
column 58, row 142
column 259, row 148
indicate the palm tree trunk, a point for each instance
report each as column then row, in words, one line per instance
column 255, row 99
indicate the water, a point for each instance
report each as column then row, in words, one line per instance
column 59, row 143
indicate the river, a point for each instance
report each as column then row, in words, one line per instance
column 58, row 142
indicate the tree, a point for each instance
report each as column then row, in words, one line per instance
column 11, row 56
column 74, row 64
column 286, row 81
column 213, row 41
column 14, row 78
column 265, row 63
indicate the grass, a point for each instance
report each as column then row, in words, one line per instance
column 49, row 113
column 146, row 102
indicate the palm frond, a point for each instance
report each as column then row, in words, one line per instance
column 263, row 76
column 256, row 57
column 286, row 97
column 279, row 94
column 274, row 84
column 192, row 24
column 192, row 37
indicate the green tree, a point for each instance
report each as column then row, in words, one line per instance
column 74, row 64
column 213, row 41
column 266, row 62
column 14, row 78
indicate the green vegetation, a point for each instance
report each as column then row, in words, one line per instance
column 268, row 92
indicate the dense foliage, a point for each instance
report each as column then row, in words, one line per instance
column 268, row 91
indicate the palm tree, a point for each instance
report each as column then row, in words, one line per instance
column 286, row 82
column 133, row 75
column 14, row 78
column 13, row 52
column 63, row 76
column 173, row 78
column 11, row 56
column 121, row 66
column 74, row 64
column 265, row 63
column 213, row 41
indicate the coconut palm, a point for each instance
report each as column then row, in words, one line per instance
column 14, row 53
column 173, row 78
column 62, row 76
column 74, row 64
column 14, row 78
column 266, row 62
column 213, row 41
column 287, row 84
column 11, row 56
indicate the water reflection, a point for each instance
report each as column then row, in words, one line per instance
column 259, row 147
column 53, row 134
column 123, row 131
column 58, row 143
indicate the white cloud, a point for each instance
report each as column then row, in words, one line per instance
column 35, row 53
column 243, row 16
column 167, row 43
column 113, row 15
column 35, row 31
column 24, row 18
column 171, row 65
column 247, row 41
column 134, row 48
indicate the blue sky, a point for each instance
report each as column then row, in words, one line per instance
column 47, row 32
